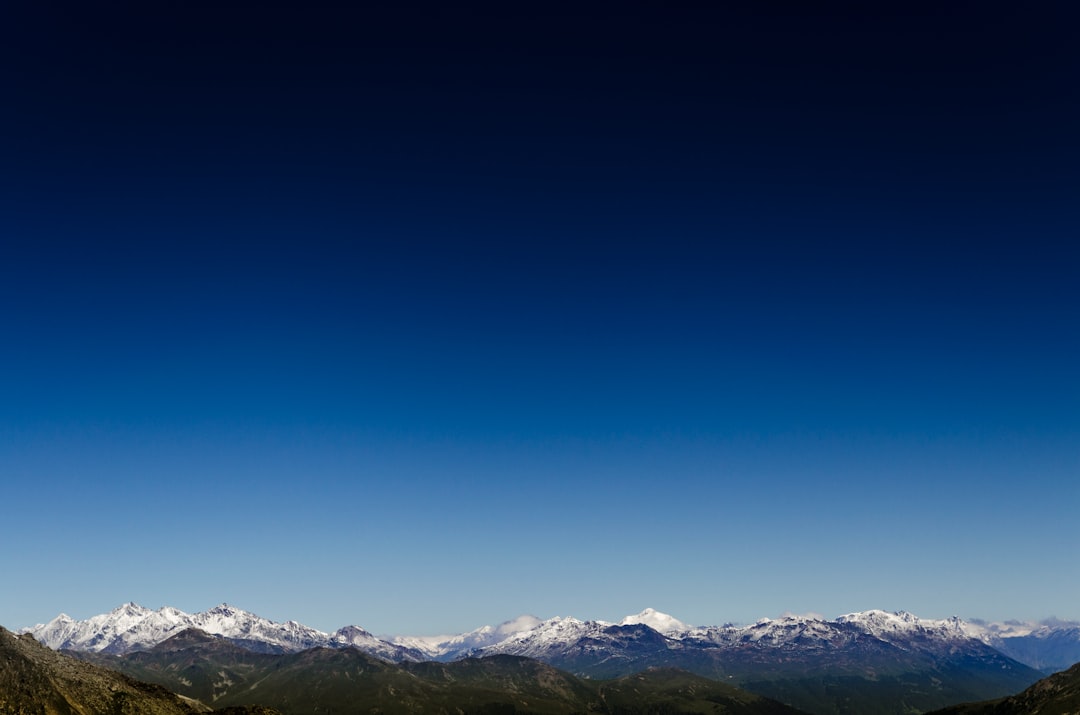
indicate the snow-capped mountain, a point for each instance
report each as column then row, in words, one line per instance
column 546, row 638
column 257, row 633
column 899, row 629
column 646, row 636
column 853, row 642
column 451, row 647
column 904, row 626
column 592, row 648
column 1050, row 646
column 125, row 628
column 132, row 627
column 357, row 637
column 864, row 658
column 659, row 622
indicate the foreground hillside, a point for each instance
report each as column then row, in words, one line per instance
column 344, row 680
column 35, row 680
column 1058, row 694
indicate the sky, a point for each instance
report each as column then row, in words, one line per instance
column 421, row 318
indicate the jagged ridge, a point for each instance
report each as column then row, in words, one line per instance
column 132, row 627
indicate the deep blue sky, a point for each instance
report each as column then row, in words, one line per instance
column 423, row 318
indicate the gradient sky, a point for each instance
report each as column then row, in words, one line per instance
column 422, row 318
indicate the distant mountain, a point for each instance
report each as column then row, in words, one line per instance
column 659, row 622
column 35, row 679
column 131, row 627
column 214, row 670
column 450, row 647
column 1058, row 694
column 873, row 662
column 1049, row 646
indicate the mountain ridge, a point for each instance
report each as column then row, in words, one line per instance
column 131, row 627
column 891, row 663
column 210, row 669
column 1046, row 646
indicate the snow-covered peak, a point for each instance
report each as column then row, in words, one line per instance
column 517, row 625
column 553, row 629
column 811, row 630
column 660, row 622
column 357, row 637
column 886, row 625
column 126, row 628
column 898, row 620
column 447, row 646
column 547, row 636
column 131, row 627
column 784, row 630
column 996, row 634
column 130, row 609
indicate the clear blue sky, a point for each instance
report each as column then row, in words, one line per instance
column 421, row 321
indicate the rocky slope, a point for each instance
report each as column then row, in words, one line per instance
column 35, row 679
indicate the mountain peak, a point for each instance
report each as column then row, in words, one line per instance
column 224, row 608
column 129, row 608
column 660, row 622
column 517, row 625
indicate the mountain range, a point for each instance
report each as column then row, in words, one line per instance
column 1049, row 646
column 871, row 661
column 200, row 671
column 132, row 627
column 213, row 670
column 35, row 680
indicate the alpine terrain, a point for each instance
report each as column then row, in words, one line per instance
column 872, row 661
column 210, row 670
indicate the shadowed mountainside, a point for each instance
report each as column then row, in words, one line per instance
column 339, row 681
column 820, row 667
column 1058, row 694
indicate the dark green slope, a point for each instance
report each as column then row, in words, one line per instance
column 887, row 692
column 346, row 681
column 525, row 683
column 664, row 690
column 322, row 680
column 1058, row 694
column 193, row 664
column 503, row 684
